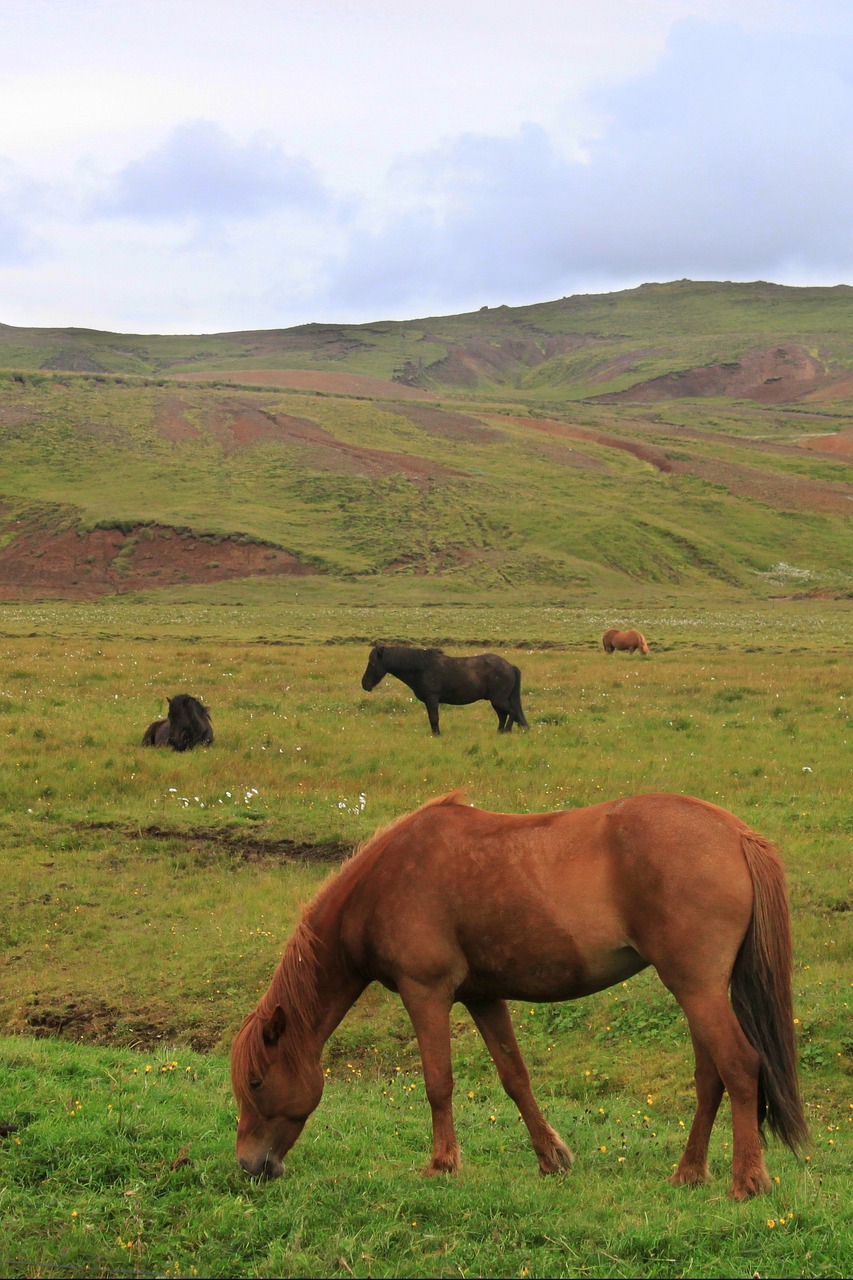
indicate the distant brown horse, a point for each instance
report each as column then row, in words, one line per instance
column 630, row 640
column 186, row 726
column 434, row 677
column 454, row 903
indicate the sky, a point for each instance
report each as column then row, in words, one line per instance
column 200, row 166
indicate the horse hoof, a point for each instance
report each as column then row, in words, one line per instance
column 690, row 1177
column 437, row 1168
column 756, row 1186
column 561, row 1163
column 556, row 1159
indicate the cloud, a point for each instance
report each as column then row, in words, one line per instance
column 201, row 172
column 732, row 159
column 20, row 199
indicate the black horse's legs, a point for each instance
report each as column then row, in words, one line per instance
column 504, row 718
column 432, row 712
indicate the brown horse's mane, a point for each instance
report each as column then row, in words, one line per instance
column 293, row 987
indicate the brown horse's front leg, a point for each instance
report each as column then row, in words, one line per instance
column 495, row 1026
column 429, row 1010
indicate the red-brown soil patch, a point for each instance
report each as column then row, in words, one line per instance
column 239, row 425
column 840, row 388
column 775, row 488
column 651, row 453
column 59, row 563
column 475, row 360
column 338, row 384
column 446, row 423
column 773, row 376
column 170, row 419
column 840, row 444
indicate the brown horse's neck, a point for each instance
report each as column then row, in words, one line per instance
column 312, row 984
column 338, row 986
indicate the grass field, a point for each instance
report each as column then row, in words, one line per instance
column 148, row 896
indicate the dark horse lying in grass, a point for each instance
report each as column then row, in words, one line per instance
column 186, row 726
column 454, row 903
column 433, row 677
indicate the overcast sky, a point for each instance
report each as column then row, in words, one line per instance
column 190, row 166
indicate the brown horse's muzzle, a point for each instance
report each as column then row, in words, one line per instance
column 266, row 1167
column 262, row 1146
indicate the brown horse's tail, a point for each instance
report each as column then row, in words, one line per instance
column 761, row 994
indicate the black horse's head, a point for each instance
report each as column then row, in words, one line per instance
column 375, row 669
column 189, row 723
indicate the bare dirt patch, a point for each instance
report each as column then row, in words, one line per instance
column 651, row 453
column 56, row 563
column 241, row 424
column 446, row 423
column 840, row 444
column 208, row 845
column 170, row 419
column 332, row 383
column 774, row 376
column 244, row 425
column 476, row 360
column 775, row 488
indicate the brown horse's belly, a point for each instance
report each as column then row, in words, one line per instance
column 555, row 980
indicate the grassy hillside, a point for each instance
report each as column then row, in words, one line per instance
column 656, row 328
column 684, row 438
column 111, row 486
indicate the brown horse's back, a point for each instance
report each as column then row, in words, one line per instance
column 551, row 906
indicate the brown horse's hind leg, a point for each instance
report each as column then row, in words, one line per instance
column 495, row 1026
column 429, row 1011
column 718, row 1035
column 693, row 1166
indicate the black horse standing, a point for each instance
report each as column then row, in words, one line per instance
column 433, row 677
column 186, row 726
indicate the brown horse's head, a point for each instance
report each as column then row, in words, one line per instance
column 277, row 1086
column 644, row 648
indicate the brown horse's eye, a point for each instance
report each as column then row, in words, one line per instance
column 255, row 1084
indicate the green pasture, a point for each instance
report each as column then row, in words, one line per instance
column 147, row 896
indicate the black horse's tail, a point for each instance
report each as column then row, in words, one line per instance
column 515, row 701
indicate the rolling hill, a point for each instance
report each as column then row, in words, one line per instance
column 675, row 438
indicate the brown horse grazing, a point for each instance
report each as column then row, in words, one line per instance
column 434, row 677
column 454, row 903
column 186, row 726
column 630, row 640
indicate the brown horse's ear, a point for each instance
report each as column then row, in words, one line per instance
column 274, row 1028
